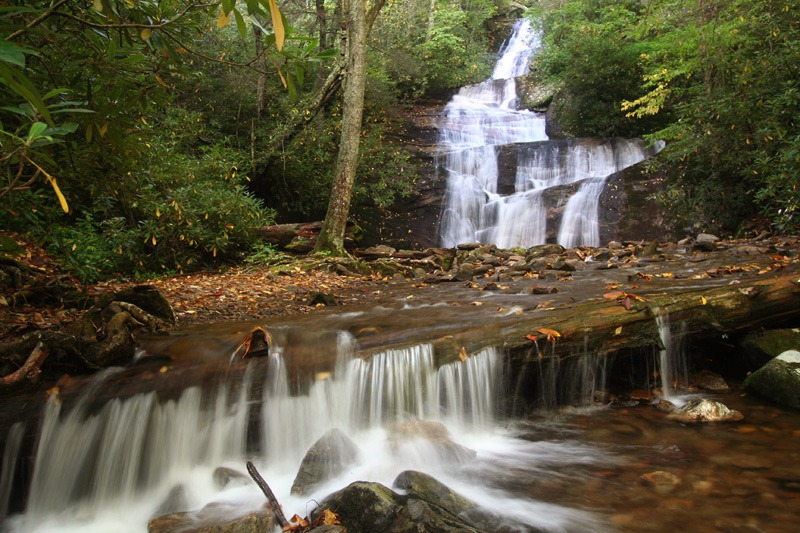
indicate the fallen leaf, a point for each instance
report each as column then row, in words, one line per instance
column 462, row 354
column 703, row 300
column 614, row 295
column 551, row 334
column 618, row 330
column 531, row 337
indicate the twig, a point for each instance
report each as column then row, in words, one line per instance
column 273, row 501
column 30, row 369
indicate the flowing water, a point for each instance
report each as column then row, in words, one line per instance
column 482, row 118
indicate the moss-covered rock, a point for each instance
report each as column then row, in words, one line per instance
column 761, row 347
column 778, row 380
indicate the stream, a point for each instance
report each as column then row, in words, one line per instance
column 421, row 380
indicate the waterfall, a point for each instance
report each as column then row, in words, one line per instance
column 673, row 363
column 139, row 448
column 483, row 118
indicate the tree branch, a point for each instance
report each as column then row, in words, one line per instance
column 273, row 501
column 28, row 370
column 132, row 26
column 38, row 20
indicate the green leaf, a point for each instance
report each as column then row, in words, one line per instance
column 240, row 24
column 300, row 71
column 228, row 5
column 37, row 128
column 12, row 53
column 21, row 85
column 326, row 54
column 292, row 89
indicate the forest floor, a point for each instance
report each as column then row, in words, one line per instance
column 236, row 293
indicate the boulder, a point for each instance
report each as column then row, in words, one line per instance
column 364, row 507
column 331, row 455
column 428, row 437
column 224, row 476
column 704, row 410
column 426, row 488
column 760, row 348
column 213, row 518
column 778, row 380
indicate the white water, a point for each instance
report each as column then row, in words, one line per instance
column 112, row 470
column 673, row 364
column 482, row 117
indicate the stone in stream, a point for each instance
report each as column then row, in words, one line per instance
column 778, row 380
column 426, row 436
column 427, row 506
column 213, row 518
column 224, row 476
column 704, row 410
column 761, row 347
column 331, row 455
column 708, row 380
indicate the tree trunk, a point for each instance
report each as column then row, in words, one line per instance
column 261, row 87
column 358, row 24
column 331, row 238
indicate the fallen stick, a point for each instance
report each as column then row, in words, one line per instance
column 273, row 501
column 28, row 370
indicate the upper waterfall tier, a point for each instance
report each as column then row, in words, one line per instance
column 482, row 117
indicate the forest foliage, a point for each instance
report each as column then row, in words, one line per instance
column 718, row 80
column 133, row 132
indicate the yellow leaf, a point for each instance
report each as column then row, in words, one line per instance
column 98, row 6
column 128, row 3
column 158, row 214
column 153, row 240
column 223, row 19
column 146, row 33
column 618, row 330
column 277, row 24
column 102, row 129
column 703, row 300
column 52, row 180
column 214, row 253
column 161, row 81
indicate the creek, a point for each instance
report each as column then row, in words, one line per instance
column 534, row 439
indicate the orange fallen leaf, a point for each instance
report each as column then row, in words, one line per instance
column 462, row 354
column 551, row 334
column 531, row 337
column 614, row 295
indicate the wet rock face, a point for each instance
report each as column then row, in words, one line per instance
column 760, row 348
column 703, row 410
column 778, row 380
column 214, row 518
column 331, row 455
column 428, row 506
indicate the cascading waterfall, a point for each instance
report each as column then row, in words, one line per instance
column 136, row 450
column 480, row 119
column 673, row 363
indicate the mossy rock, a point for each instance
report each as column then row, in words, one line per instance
column 760, row 348
column 778, row 380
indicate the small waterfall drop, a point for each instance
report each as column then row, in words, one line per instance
column 481, row 121
column 673, row 363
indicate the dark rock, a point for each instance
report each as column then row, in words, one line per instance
column 760, row 348
column 328, row 529
column 650, row 249
column 703, row 410
column 469, row 246
column 541, row 250
column 704, row 246
column 706, row 238
column 321, row 298
column 424, row 487
column 331, row 455
column 364, row 507
column 778, row 380
column 465, row 273
column 564, row 265
column 419, row 516
column 708, row 380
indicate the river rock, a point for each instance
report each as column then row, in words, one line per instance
column 708, row 380
column 213, row 518
column 778, row 380
column 174, row 502
column 224, row 476
column 331, row 455
column 364, row 507
column 465, row 273
column 541, row 250
column 704, row 410
column 426, row 436
column 761, row 347
column 659, row 478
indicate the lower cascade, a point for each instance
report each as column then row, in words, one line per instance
column 114, row 468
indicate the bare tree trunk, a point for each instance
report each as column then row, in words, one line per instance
column 431, row 11
column 331, row 238
column 261, row 83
